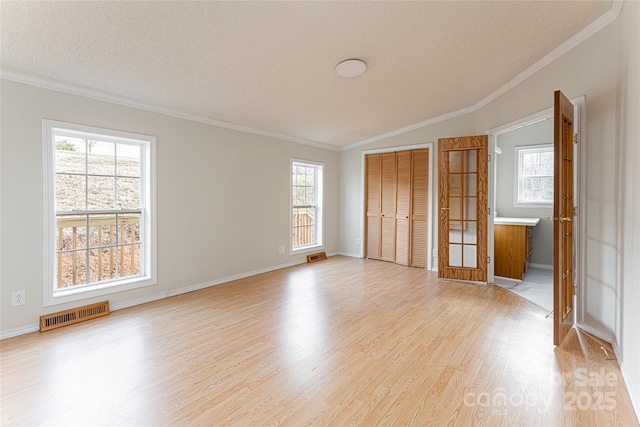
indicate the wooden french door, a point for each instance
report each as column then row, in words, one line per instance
column 562, row 217
column 463, row 187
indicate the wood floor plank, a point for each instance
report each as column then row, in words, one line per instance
column 340, row 342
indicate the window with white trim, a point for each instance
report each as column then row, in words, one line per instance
column 534, row 175
column 306, row 205
column 100, row 230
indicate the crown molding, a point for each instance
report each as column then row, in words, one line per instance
column 409, row 128
column 51, row 84
column 588, row 31
column 602, row 21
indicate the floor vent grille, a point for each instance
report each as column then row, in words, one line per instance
column 316, row 257
column 75, row 315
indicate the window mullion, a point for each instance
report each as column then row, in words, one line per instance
column 99, row 212
column 86, row 175
column 115, row 176
column 117, row 240
column 86, row 208
column 87, row 278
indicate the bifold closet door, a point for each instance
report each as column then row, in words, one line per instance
column 419, row 208
column 403, row 206
column 373, row 208
column 397, row 207
column 388, row 204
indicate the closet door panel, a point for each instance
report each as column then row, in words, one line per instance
column 388, row 239
column 373, row 206
column 419, row 209
column 388, row 193
column 419, row 248
column 373, row 237
column 388, row 203
column 403, row 206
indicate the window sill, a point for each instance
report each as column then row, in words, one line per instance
column 305, row 249
column 77, row 294
column 533, row 205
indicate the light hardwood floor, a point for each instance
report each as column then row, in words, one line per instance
column 339, row 342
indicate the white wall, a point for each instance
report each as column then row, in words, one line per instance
column 627, row 334
column 223, row 197
column 542, row 234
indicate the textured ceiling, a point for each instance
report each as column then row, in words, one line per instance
column 269, row 66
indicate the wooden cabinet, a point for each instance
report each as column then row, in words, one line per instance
column 397, row 204
column 511, row 250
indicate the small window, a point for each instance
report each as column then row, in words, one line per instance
column 306, row 205
column 534, row 176
column 100, row 211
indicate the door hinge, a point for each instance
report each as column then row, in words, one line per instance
column 575, row 211
column 488, row 260
column 575, row 138
column 489, row 211
column 489, row 158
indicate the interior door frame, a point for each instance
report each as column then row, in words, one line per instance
column 363, row 195
column 470, row 143
column 580, row 179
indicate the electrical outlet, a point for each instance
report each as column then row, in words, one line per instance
column 435, row 253
column 280, row 249
column 18, row 298
column 358, row 241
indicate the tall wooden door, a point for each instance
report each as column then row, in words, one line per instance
column 563, row 218
column 463, row 187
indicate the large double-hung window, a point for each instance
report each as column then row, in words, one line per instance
column 100, row 211
column 306, row 205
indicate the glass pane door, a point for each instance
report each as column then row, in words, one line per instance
column 463, row 208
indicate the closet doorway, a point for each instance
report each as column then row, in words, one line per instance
column 397, row 205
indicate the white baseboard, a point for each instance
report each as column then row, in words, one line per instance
column 596, row 333
column 543, row 266
column 227, row 279
column 19, row 331
column 137, row 301
column 173, row 292
column 350, row 254
column 635, row 400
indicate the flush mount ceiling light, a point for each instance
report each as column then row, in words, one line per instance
column 351, row 68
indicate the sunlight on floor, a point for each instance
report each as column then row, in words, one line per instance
column 304, row 319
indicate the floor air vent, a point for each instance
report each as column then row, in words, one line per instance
column 316, row 257
column 75, row 315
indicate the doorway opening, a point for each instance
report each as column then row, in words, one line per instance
column 523, row 238
column 530, row 212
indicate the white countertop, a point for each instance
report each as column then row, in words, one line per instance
column 516, row 221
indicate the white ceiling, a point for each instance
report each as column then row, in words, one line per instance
column 268, row 67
